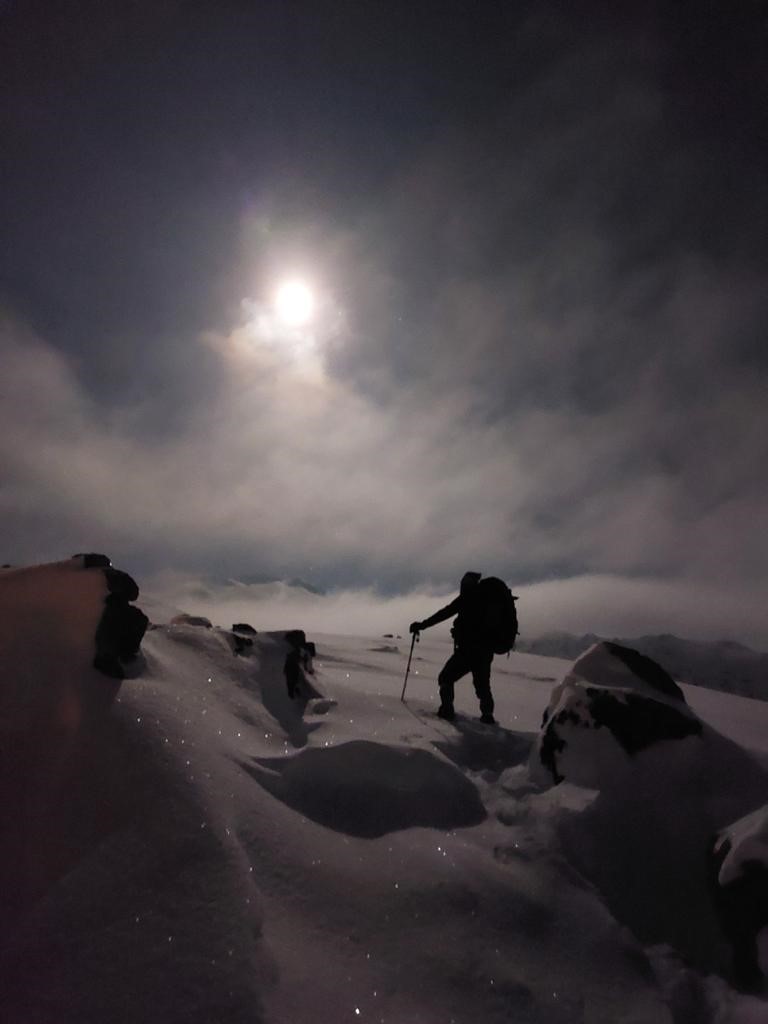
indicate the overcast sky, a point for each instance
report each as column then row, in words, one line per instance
column 536, row 238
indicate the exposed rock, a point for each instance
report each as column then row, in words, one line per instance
column 191, row 620
column 93, row 560
column 298, row 662
column 118, row 637
column 122, row 626
column 121, row 585
column 613, row 703
column 241, row 644
column 242, row 637
column 646, row 669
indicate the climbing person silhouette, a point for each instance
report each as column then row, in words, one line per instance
column 473, row 651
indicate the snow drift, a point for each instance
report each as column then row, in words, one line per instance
column 208, row 848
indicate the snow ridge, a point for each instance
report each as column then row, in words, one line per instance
column 215, row 850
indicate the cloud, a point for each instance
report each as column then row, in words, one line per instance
column 630, row 607
column 285, row 469
column 290, row 470
column 543, row 358
column 606, row 605
column 278, row 606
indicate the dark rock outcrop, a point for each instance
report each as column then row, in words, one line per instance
column 298, row 661
column 242, row 637
column 191, row 620
column 122, row 626
column 244, row 627
column 647, row 669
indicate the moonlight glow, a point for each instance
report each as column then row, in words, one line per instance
column 294, row 303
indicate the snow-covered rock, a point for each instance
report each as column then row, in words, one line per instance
column 742, row 844
column 612, row 704
column 664, row 783
column 740, row 859
column 719, row 665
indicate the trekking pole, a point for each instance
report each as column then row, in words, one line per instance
column 408, row 666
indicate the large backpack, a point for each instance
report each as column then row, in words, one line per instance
column 496, row 614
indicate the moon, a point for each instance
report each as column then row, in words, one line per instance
column 294, row 303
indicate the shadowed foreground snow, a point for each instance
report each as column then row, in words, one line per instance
column 206, row 849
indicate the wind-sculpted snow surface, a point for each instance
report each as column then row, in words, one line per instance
column 225, row 853
column 370, row 789
column 668, row 779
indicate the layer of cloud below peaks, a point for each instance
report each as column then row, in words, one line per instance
column 605, row 605
column 294, row 475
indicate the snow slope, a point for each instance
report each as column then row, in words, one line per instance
column 216, row 852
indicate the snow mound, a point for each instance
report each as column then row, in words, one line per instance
column 740, row 858
column 742, row 843
column 369, row 789
column 211, row 849
column 663, row 784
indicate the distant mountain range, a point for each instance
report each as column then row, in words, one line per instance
column 721, row 665
column 257, row 579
